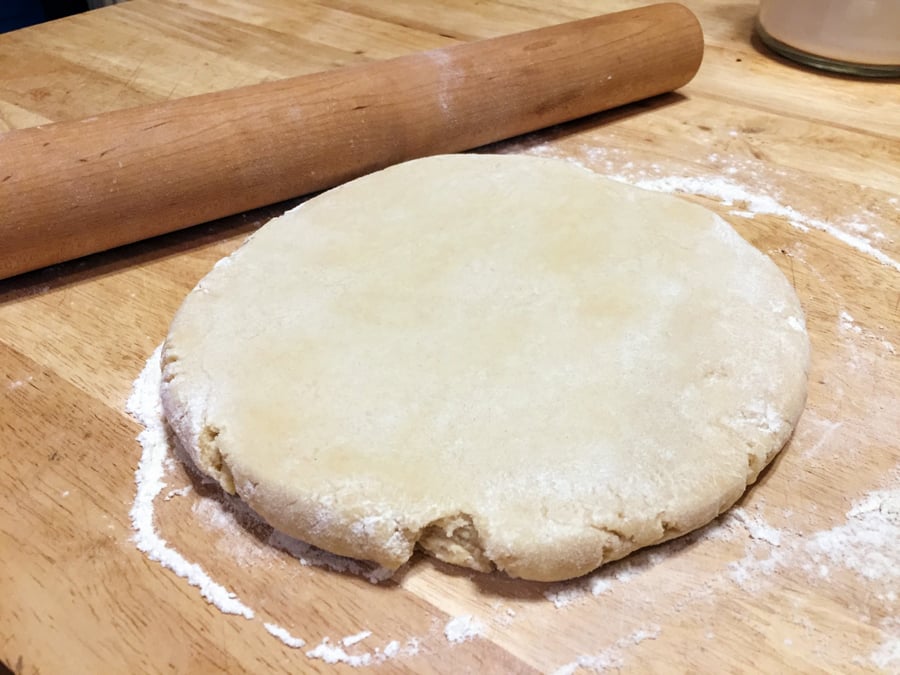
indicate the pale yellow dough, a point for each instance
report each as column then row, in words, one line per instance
column 509, row 360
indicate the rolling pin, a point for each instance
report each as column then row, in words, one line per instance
column 77, row 187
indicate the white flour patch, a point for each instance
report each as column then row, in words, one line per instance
column 762, row 553
column 846, row 322
column 17, row 384
column 752, row 569
column 412, row 647
column 351, row 640
column 211, row 513
column 849, row 326
column 825, row 432
column 562, row 595
column 867, row 543
column 726, row 527
column 595, row 584
column 613, row 657
column 751, row 204
column 144, row 404
column 462, row 628
column 332, row 653
column 504, row 615
column 757, row 528
column 178, row 492
column 283, row 635
column 887, row 654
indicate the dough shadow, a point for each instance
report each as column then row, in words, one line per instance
column 106, row 263
column 267, row 536
column 207, row 488
column 496, row 584
column 501, row 586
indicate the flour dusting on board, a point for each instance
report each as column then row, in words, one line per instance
column 862, row 545
column 723, row 186
column 144, row 404
column 333, row 653
column 156, row 459
column 462, row 628
column 283, row 635
column 848, row 325
column 868, row 543
column 611, row 658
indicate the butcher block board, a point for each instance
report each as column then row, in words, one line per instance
column 803, row 577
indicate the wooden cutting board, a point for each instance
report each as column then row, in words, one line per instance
column 805, row 165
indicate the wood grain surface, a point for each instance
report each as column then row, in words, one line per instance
column 805, row 165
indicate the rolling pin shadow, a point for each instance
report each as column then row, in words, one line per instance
column 77, row 187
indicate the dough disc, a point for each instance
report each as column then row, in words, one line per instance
column 509, row 360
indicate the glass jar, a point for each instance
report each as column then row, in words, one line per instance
column 856, row 37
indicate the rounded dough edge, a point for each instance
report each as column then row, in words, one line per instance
column 389, row 538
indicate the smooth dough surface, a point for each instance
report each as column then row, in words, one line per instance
column 509, row 360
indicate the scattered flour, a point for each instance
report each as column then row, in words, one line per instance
column 596, row 584
column 178, row 492
column 865, row 545
column 887, row 654
column 211, row 513
column 612, row 657
column 332, row 654
column 869, row 542
column 751, row 570
column 824, row 438
column 563, row 595
column 848, row 325
column 757, row 528
column 847, row 322
column 412, row 647
column 747, row 202
column 284, row 636
column 462, row 628
column 351, row 640
column 144, row 404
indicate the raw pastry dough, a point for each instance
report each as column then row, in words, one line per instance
column 509, row 360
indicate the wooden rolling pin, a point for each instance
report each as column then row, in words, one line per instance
column 72, row 188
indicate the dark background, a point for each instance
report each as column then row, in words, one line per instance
column 20, row 13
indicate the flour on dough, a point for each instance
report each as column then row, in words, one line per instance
column 508, row 361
